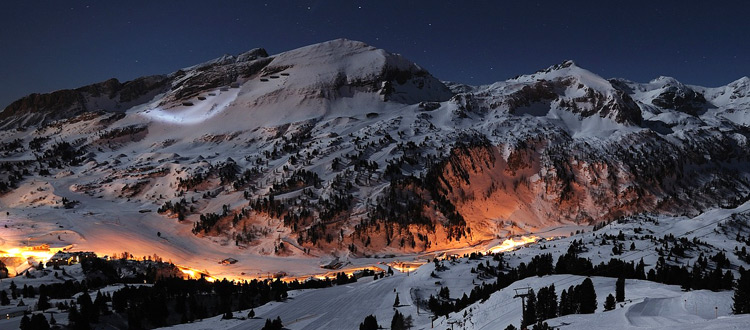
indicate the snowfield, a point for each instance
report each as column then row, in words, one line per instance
column 649, row 305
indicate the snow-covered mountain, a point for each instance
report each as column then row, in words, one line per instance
column 342, row 147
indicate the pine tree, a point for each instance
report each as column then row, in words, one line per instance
column 78, row 321
column 408, row 322
column 396, row 303
column 13, row 291
column 4, row 301
column 587, row 296
column 727, row 282
column 397, row 323
column 620, row 289
column 444, row 293
column 511, row 327
column 742, row 293
column 370, row 323
column 640, row 270
column 43, row 302
column 610, row 303
column 546, row 303
column 100, row 303
column 88, row 312
column 565, row 304
column 273, row 325
column 251, row 314
column 39, row 322
column 25, row 323
column 529, row 313
column 73, row 315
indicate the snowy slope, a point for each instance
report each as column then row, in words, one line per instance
column 562, row 146
column 648, row 305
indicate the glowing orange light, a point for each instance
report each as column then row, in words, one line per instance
column 513, row 243
column 333, row 274
column 404, row 267
column 40, row 253
column 196, row 274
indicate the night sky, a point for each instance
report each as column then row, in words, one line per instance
column 50, row 45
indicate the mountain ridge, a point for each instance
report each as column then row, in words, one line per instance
column 66, row 103
column 343, row 147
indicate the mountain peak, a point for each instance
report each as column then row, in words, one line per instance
column 577, row 90
column 665, row 80
column 567, row 70
column 564, row 64
column 326, row 67
column 567, row 64
column 252, row 54
column 740, row 83
column 227, row 59
column 343, row 42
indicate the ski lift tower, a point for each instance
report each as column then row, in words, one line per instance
column 523, row 293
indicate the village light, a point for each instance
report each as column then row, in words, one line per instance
column 41, row 253
column 511, row 243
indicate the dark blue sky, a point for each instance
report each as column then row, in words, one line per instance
column 50, row 45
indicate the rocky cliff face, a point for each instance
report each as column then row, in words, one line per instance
column 110, row 96
column 220, row 72
column 549, row 180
